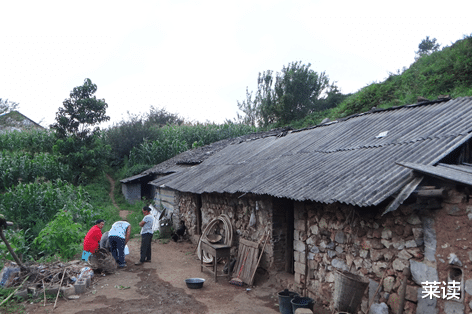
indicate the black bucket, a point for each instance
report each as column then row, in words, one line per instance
column 301, row 302
column 285, row 307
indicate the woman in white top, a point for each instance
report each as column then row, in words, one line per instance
column 118, row 236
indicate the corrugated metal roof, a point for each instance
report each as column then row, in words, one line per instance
column 195, row 156
column 456, row 173
column 339, row 162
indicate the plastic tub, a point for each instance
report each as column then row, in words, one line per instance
column 194, row 283
column 301, row 302
column 285, row 307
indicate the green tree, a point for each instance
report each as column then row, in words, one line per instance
column 126, row 134
column 333, row 98
column 250, row 109
column 160, row 117
column 79, row 145
column 427, row 46
column 297, row 89
column 266, row 98
column 288, row 96
column 80, row 112
column 7, row 106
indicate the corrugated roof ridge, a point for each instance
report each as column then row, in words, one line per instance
column 424, row 103
column 377, row 145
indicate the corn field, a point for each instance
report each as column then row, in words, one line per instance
column 173, row 140
column 30, row 141
column 24, row 167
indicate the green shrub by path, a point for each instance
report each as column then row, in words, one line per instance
column 99, row 197
column 86, row 158
column 18, row 242
column 13, row 305
column 136, row 169
column 152, row 153
column 60, row 236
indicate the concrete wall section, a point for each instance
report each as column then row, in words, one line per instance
column 132, row 192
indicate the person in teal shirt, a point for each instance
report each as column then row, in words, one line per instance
column 118, row 236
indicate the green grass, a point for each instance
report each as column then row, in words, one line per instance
column 14, row 304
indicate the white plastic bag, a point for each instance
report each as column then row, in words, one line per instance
column 86, row 271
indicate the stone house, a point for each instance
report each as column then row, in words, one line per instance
column 372, row 194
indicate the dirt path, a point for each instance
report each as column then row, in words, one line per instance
column 159, row 287
column 123, row 213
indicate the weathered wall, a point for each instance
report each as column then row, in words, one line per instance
column 132, row 192
column 239, row 210
column 452, row 225
column 420, row 235
column 360, row 240
column 168, row 199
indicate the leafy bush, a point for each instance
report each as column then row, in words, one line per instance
column 61, row 236
column 136, row 169
column 18, row 242
column 125, row 135
column 152, row 153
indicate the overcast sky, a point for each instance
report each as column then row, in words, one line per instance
column 196, row 58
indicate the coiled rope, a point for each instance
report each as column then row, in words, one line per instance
column 228, row 236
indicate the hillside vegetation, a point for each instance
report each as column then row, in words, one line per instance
column 445, row 72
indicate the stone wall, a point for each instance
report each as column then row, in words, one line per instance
column 239, row 210
column 453, row 255
column 429, row 235
column 187, row 210
column 422, row 235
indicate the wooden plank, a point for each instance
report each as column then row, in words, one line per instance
column 250, row 266
column 248, row 243
column 431, row 193
column 250, row 251
column 241, row 254
column 247, row 265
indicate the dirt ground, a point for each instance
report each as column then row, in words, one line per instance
column 159, row 287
